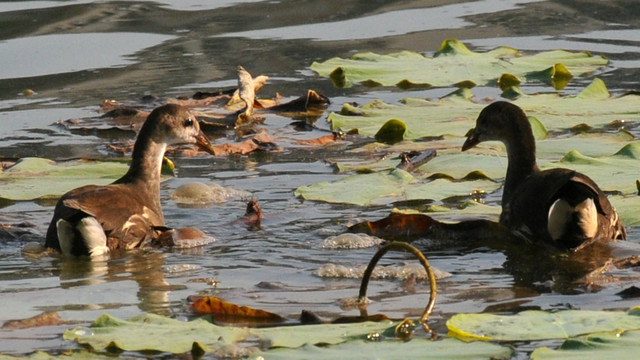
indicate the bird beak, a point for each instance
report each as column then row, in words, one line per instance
column 203, row 143
column 472, row 140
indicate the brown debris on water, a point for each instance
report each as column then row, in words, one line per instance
column 51, row 318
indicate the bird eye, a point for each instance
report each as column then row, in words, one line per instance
column 188, row 122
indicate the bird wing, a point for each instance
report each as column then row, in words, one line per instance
column 98, row 201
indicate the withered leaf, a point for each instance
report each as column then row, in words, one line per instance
column 246, row 90
column 307, row 102
column 323, row 140
column 45, row 319
column 397, row 225
column 222, row 311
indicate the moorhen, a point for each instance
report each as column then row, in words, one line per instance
column 558, row 207
column 94, row 220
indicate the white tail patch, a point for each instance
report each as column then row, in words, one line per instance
column 93, row 235
column 66, row 236
column 561, row 212
column 588, row 217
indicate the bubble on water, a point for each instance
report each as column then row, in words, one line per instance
column 178, row 268
column 353, row 303
column 34, row 250
column 83, row 331
column 401, row 272
column 350, row 241
column 197, row 193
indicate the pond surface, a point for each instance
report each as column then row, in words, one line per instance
column 75, row 54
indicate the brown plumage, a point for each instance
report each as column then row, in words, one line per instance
column 558, row 207
column 93, row 220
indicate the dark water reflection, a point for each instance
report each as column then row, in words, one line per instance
column 75, row 54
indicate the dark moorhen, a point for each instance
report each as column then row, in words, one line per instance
column 557, row 207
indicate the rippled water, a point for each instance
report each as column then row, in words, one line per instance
column 74, row 54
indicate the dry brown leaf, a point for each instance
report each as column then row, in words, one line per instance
column 397, row 225
column 323, row 140
column 222, row 311
column 311, row 101
column 246, row 90
column 200, row 102
column 258, row 83
column 45, row 319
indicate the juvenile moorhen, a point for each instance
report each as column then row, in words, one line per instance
column 93, row 220
column 557, row 207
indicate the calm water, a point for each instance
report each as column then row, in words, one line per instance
column 75, row 54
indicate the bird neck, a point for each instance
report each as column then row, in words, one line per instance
column 145, row 169
column 521, row 153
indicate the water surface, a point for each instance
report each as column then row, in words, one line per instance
column 75, row 54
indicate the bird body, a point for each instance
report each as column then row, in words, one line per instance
column 557, row 207
column 93, row 220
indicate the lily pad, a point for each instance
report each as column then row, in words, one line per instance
column 455, row 64
column 455, row 114
column 443, row 178
column 361, row 189
column 617, row 172
column 608, row 345
column 148, row 332
column 391, row 132
column 540, row 325
column 36, row 178
column 414, row 349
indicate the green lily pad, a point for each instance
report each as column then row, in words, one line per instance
column 391, row 132
column 36, row 178
column 541, row 325
column 455, row 114
column 149, row 332
column 75, row 354
column 617, row 172
column 415, row 349
column 385, row 186
column 609, row 345
column 454, row 64
column 628, row 208
column 361, row 189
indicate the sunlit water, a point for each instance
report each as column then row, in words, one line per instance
column 74, row 54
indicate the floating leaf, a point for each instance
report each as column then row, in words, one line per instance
column 617, row 172
column 361, row 189
column 391, row 132
column 455, row 114
column 396, row 226
column 540, row 325
column 415, row 349
column 222, row 311
column 148, row 332
column 607, row 345
column 454, row 64
column 34, row 178
column 154, row 332
column 44, row 319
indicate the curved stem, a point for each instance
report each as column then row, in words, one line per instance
column 401, row 246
